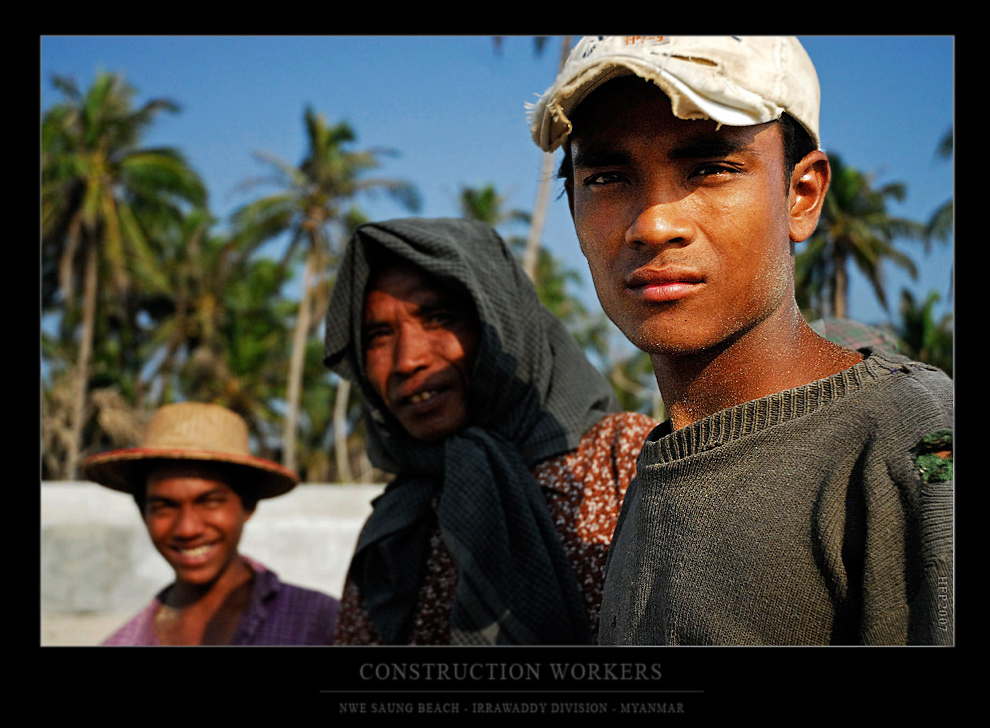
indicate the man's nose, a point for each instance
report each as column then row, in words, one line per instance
column 661, row 222
column 412, row 349
column 189, row 523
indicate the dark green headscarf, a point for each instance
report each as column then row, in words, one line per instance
column 533, row 395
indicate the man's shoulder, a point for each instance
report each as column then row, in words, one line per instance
column 138, row 631
column 311, row 596
column 287, row 614
column 907, row 390
column 270, row 585
column 902, row 413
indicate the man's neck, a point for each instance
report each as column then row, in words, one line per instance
column 205, row 614
column 772, row 357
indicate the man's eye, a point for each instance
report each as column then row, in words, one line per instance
column 374, row 336
column 602, row 178
column 440, row 318
column 711, row 169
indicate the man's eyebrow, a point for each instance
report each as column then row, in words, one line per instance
column 708, row 146
column 703, row 146
column 585, row 157
column 369, row 326
column 438, row 304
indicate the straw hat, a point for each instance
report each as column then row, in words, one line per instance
column 189, row 431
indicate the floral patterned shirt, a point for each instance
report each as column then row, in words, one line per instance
column 584, row 490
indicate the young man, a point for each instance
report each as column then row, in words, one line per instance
column 800, row 492
column 197, row 484
column 509, row 458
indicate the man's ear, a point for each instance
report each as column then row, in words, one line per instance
column 809, row 183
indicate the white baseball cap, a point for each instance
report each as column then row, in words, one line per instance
column 734, row 80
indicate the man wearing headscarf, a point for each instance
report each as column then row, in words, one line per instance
column 510, row 460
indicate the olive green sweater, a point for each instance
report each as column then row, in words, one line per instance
column 819, row 515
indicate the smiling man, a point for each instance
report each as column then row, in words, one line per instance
column 197, row 485
column 790, row 497
column 509, row 459
column 420, row 340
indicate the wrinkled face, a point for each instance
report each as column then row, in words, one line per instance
column 684, row 225
column 420, row 339
column 195, row 521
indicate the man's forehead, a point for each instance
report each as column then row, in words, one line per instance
column 630, row 107
column 408, row 282
column 604, row 101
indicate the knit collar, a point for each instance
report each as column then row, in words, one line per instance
column 667, row 445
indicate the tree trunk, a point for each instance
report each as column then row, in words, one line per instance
column 341, row 399
column 841, row 293
column 531, row 255
column 82, row 365
column 294, row 387
column 367, row 470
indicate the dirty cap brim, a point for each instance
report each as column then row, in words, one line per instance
column 733, row 80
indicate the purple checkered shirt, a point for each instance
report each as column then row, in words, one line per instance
column 277, row 614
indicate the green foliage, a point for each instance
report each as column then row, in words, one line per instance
column 922, row 337
column 317, row 194
column 315, row 208
column 105, row 203
column 179, row 312
column 940, row 225
column 855, row 227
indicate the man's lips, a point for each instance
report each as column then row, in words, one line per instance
column 193, row 555
column 663, row 284
column 419, row 396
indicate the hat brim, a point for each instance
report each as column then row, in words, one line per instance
column 126, row 470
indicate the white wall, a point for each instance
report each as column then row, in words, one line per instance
column 98, row 566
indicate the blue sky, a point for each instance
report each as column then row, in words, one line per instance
column 453, row 110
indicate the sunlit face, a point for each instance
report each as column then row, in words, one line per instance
column 195, row 521
column 420, row 339
column 684, row 225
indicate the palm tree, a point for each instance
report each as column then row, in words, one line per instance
column 855, row 226
column 940, row 225
column 486, row 205
column 531, row 254
column 199, row 268
column 925, row 339
column 311, row 208
column 100, row 190
column 216, row 293
column 236, row 355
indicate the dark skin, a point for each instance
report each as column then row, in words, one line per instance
column 195, row 520
column 420, row 340
column 689, row 232
column 207, row 618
